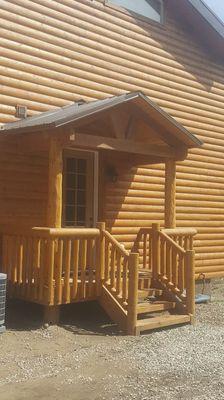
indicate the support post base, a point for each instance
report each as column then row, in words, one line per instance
column 51, row 315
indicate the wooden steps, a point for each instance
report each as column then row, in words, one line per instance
column 160, row 322
column 148, row 307
column 145, row 296
column 144, row 293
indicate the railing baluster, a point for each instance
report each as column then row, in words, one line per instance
column 42, row 269
column 181, row 272
column 118, row 281
column 26, row 267
column 83, row 252
column 174, row 266
column 15, row 259
column 145, row 250
column 132, row 293
column 191, row 242
column 58, row 272
column 50, row 278
column 67, row 270
column 181, row 240
column 76, row 245
column 168, row 261
column 36, row 263
column 155, row 251
column 112, row 271
column 101, row 257
column 30, row 268
column 20, row 266
column 186, row 243
column 162, row 256
column 125, row 281
column 107, row 259
column 90, row 267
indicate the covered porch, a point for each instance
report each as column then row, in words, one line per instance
column 72, row 257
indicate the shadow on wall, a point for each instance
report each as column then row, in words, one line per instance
column 130, row 199
column 180, row 51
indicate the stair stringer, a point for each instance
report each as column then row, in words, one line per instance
column 169, row 296
column 113, row 309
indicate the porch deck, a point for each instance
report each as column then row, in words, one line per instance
column 60, row 266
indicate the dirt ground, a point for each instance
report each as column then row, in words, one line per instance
column 86, row 358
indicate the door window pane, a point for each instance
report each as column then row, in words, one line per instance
column 70, row 181
column 81, row 214
column 81, row 182
column 70, row 195
column 71, row 165
column 149, row 8
column 75, row 191
column 81, row 197
column 70, row 213
column 82, row 166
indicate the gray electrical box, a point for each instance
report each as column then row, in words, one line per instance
column 3, row 279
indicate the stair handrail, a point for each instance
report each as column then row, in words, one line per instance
column 172, row 242
column 119, row 247
column 179, row 276
column 180, row 231
column 127, row 274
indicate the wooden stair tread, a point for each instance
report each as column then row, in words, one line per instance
column 145, row 272
column 143, row 293
column 161, row 322
column 147, row 307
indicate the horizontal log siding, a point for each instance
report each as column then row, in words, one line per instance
column 54, row 52
column 23, row 187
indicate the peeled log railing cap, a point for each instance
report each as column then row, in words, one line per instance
column 66, row 232
column 180, row 231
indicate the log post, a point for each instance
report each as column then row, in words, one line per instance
column 190, row 283
column 170, row 194
column 132, row 293
column 51, row 315
column 54, row 210
column 54, row 214
column 155, row 251
column 100, row 264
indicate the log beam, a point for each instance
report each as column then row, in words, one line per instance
column 99, row 142
column 170, row 194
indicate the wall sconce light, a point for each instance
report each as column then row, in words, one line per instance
column 111, row 173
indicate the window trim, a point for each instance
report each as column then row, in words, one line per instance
column 109, row 3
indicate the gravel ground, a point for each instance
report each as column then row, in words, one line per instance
column 86, row 358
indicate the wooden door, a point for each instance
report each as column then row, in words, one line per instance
column 80, row 188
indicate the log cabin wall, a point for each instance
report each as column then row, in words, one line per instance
column 134, row 198
column 23, row 187
column 56, row 52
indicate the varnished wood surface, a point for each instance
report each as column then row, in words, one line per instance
column 53, row 53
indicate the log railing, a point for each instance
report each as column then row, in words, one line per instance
column 121, row 277
column 52, row 266
column 184, row 237
column 173, row 265
column 143, row 244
